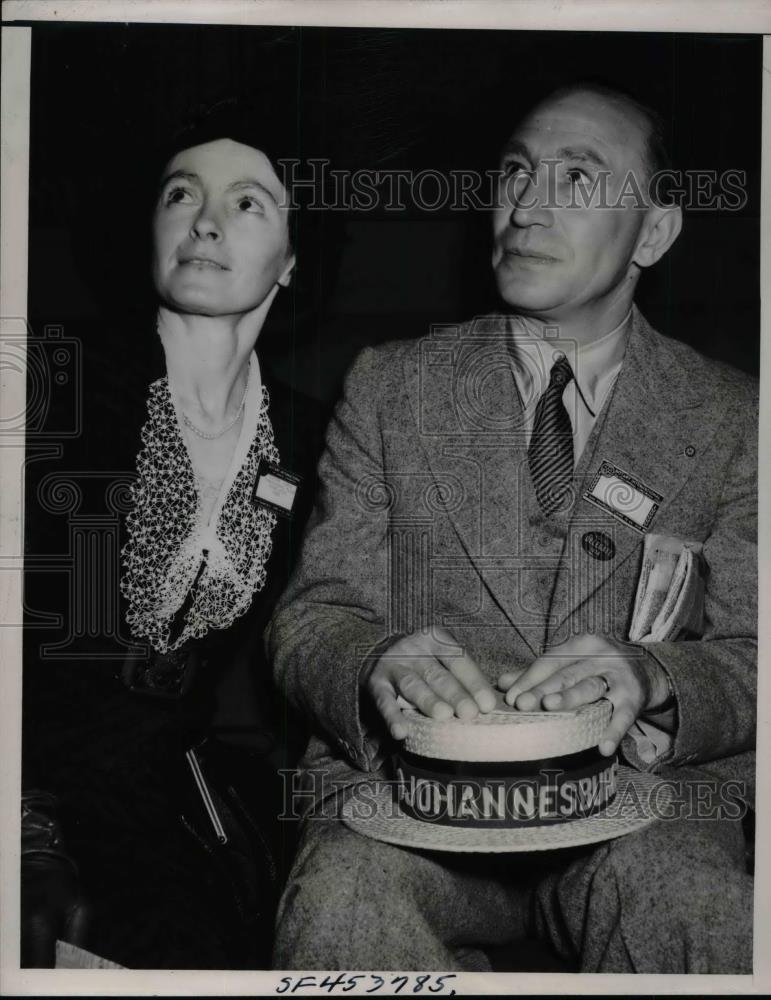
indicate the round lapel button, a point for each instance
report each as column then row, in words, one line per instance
column 598, row 545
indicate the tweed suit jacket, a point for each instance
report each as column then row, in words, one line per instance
column 426, row 513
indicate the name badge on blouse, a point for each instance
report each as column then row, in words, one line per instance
column 276, row 488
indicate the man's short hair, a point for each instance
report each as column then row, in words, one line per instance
column 655, row 151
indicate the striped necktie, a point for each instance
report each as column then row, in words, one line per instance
column 550, row 455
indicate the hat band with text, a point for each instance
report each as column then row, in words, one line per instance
column 503, row 795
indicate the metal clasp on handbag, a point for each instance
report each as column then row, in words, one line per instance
column 206, row 797
column 163, row 675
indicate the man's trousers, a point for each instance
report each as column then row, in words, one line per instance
column 673, row 897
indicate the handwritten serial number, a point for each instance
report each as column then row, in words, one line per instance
column 369, row 982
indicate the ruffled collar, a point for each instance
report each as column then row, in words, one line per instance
column 172, row 558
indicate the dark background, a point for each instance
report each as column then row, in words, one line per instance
column 105, row 96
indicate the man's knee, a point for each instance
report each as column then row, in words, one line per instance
column 338, row 872
column 325, row 869
column 670, row 851
column 346, row 897
column 672, row 897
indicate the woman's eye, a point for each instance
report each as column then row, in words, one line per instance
column 178, row 196
column 514, row 167
column 247, row 203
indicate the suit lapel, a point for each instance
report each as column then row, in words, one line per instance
column 652, row 421
column 470, row 416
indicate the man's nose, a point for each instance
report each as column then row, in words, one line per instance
column 529, row 197
column 206, row 225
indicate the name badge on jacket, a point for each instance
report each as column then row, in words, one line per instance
column 624, row 496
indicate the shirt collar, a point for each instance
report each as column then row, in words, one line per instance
column 594, row 365
column 598, row 362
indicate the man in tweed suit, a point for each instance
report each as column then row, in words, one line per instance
column 437, row 447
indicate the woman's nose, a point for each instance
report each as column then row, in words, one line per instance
column 206, row 226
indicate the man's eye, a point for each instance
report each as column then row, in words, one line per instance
column 178, row 196
column 576, row 176
column 248, row 203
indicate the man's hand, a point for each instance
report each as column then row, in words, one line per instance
column 585, row 669
column 422, row 669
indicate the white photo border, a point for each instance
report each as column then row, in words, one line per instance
column 616, row 15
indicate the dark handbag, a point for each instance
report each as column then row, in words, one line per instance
column 164, row 675
column 230, row 805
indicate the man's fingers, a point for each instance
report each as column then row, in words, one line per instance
column 538, row 671
column 419, row 694
column 586, row 691
column 537, row 674
column 619, row 725
column 468, row 674
column 388, row 707
column 534, row 698
column 419, row 652
column 552, row 672
column 579, row 648
column 434, row 689
column 431, row 672
column 442, row 682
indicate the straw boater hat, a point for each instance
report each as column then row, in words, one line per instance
column 506, row 781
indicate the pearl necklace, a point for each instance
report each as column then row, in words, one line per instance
column 214, row 437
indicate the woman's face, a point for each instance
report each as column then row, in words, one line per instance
column 220, row 230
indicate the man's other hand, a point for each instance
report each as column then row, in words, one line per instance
column 585, row 669
column 429, row 672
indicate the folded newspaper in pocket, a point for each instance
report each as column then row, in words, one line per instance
column 669, row 603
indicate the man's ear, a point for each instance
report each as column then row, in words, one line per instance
column 286, row 274
column 659, row 231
